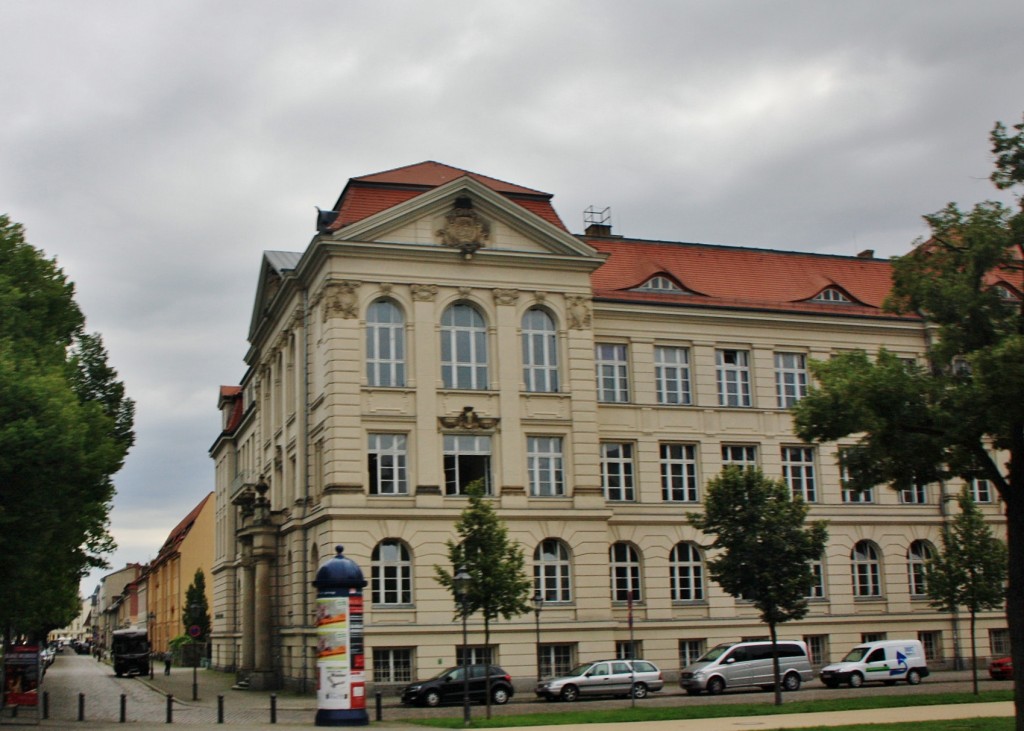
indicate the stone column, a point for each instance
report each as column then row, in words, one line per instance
column 245, row 601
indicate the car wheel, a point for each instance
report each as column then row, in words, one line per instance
column 499, row 696
column 640, row 690
column 432, row 698
column 716, row 686
column 856, row 680
column 570, row 693
column 913, row 677
column 791, row 682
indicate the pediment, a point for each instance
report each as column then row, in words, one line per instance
column 467, row 217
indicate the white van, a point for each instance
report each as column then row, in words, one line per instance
column 741, row 664
column 886, row 661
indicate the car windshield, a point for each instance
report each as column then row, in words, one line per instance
column 856, row 654
column 714, row 653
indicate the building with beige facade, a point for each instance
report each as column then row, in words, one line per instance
column 443, row 326
column 188, row 548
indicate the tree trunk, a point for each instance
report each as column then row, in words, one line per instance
column 974, row 654
column 775, row 663
column 1014, row 499
column 487, row 665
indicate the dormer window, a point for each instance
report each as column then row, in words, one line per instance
column 832, row 296
column 1005, row 293
column 660, row 284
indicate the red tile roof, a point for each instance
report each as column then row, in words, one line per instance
column 370, row 194
column 725, row 276
column 177, row 535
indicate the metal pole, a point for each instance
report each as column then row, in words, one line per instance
column 195, row 682
column 465, row 668
column 538, row 603
column 632, row 652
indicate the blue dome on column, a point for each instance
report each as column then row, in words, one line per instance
column 339, row 572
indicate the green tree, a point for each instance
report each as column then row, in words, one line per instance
column 196, row 611
column 963, row 414
column 970, row 571
column 499, row 586
column 65, row 428
column 765, row 550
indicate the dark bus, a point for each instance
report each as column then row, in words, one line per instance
column 129, row 649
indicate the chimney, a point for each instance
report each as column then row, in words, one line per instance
column 598, row 222
column 866, row 254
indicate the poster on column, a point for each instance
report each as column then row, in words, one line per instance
column 332, row 653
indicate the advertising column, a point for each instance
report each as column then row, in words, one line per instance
column 340, row 664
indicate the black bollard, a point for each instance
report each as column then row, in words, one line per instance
column 81, row 706
column 170, row 713
column 220, row 709
column 46, row 704
column 124, row 707
column 273, row 708
column 380, row 706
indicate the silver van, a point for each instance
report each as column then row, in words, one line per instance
column 743, row 664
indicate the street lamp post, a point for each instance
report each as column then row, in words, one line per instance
column 538, row 604
column 460, row 583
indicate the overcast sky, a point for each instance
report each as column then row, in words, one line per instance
column 157, row 148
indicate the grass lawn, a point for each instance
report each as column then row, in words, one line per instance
column 581, row 715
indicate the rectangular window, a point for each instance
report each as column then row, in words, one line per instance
column 740, row 455
column 556, row 660
column 672, row 375
column 544, row 465
column 931, row 643
column 866, row 637
column 817, row 648
column 626, row 650
column 392, row 665
column 617, row 471
column 690, row 650
column 679, row 473
column 849, row 494
column 733, row 368
column 817, row 588
column 916, row 495
column 612, row 373
column 981, row 490
column 466, row 458
column 798, row 472
column 387, row 464
column 999, row 641
column 475, row 655
column 790, row 378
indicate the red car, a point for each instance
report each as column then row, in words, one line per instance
column 1001, row 669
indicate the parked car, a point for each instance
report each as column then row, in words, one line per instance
column 1001, row 669
column 604, row 677
column 448, row 687
column 886, row 661
column 742, row 664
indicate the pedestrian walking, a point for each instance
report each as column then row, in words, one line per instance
column 167, row 663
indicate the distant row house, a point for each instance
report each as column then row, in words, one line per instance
column 443, row 327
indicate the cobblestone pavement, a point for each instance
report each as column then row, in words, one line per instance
column 75, row 679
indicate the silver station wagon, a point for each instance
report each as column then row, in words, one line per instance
column 604, row 677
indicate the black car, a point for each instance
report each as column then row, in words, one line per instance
column 448, row 687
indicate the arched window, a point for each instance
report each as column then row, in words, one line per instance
column 463, row 348
column 686, row 567
column 867, row 571
column 540, row 351
column 552, row 571
column 391, row 573
column 625, row 572
column 919, row 553
column 385, row 344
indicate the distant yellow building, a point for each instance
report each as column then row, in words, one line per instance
column 444, row 326
column 188, row 547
